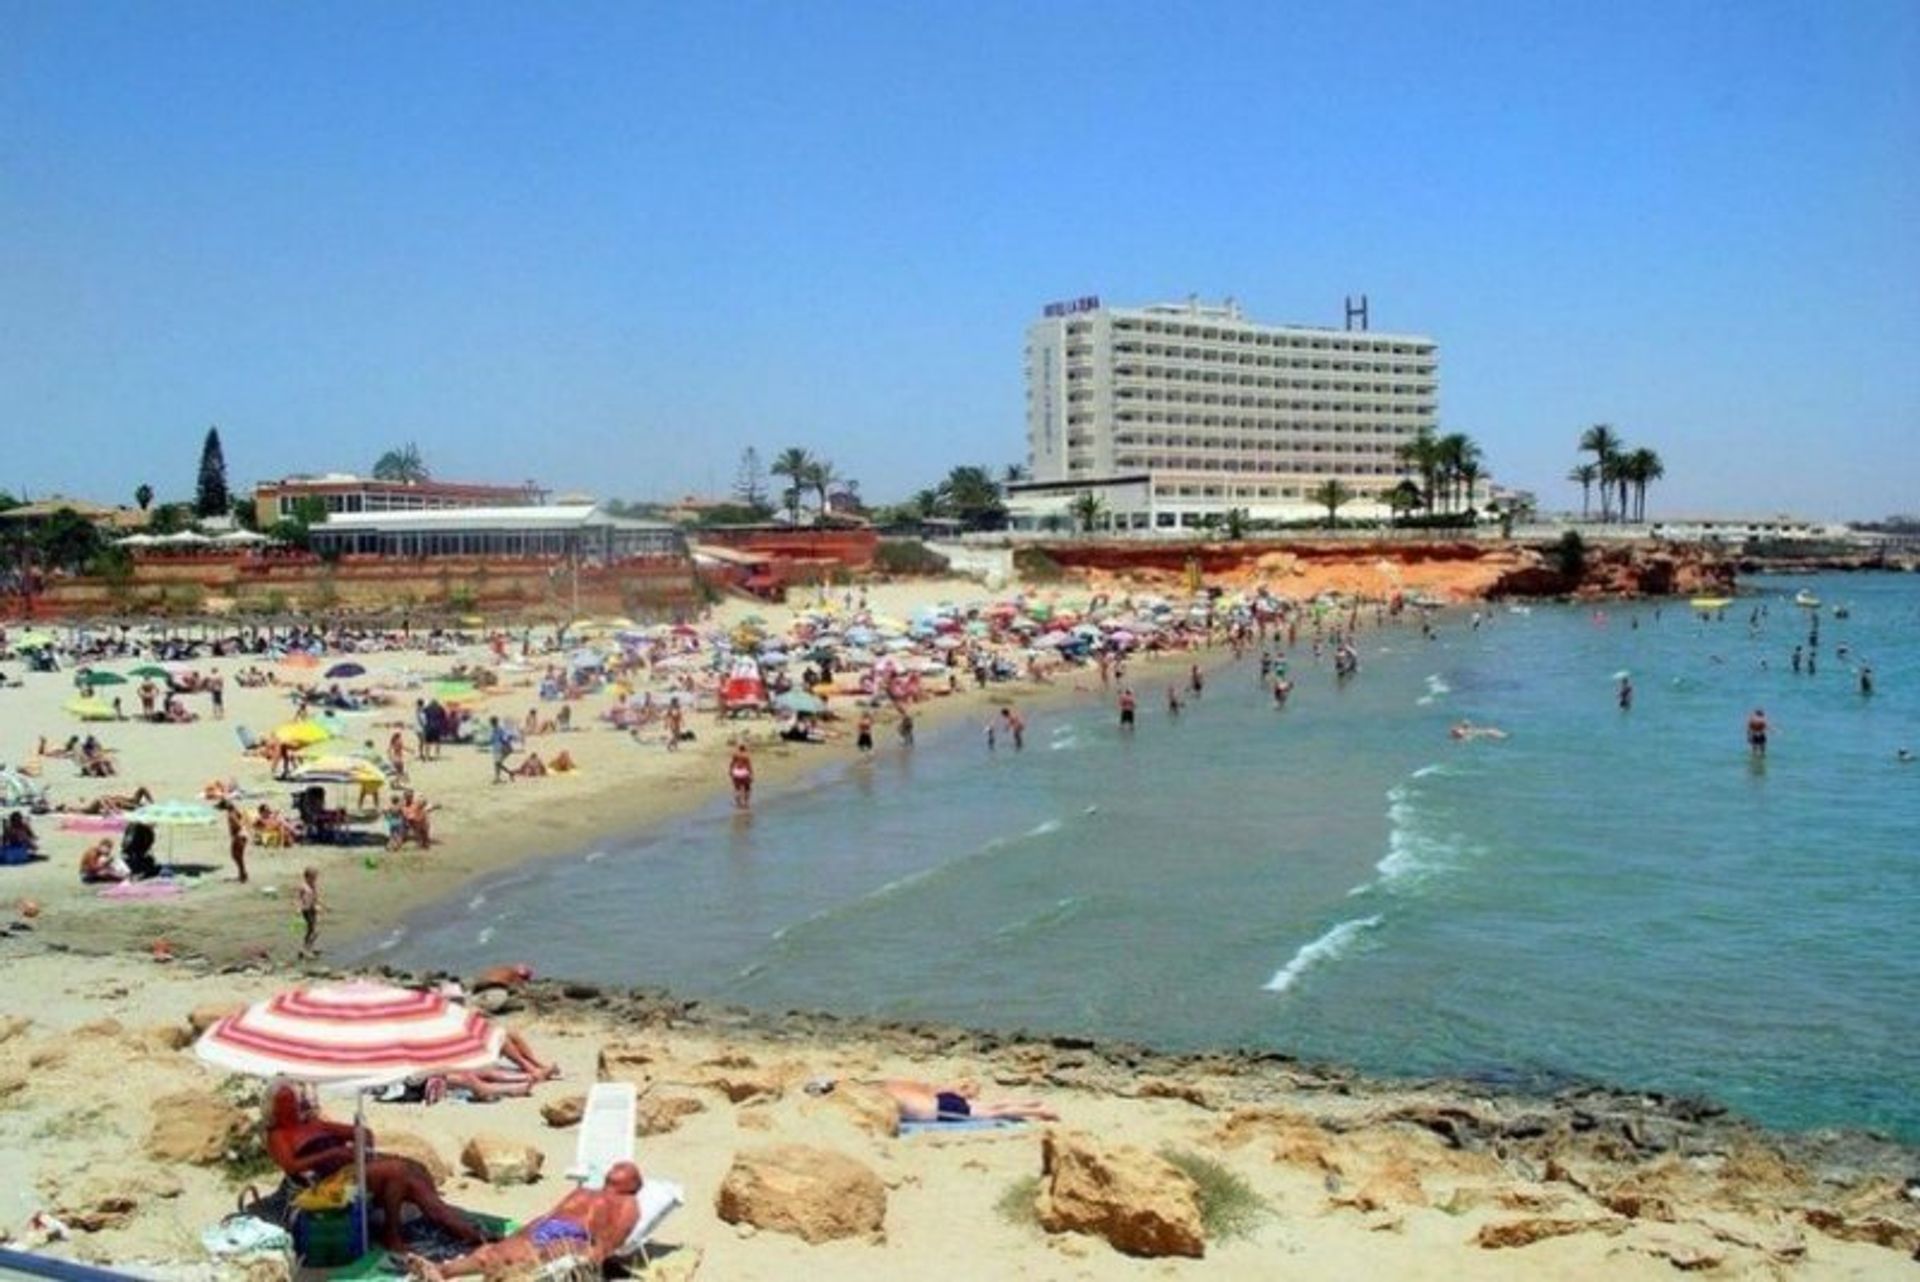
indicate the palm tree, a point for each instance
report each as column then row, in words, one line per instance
column 1236, row 523
column 821, row 477
column 929, row 503
column 404, row 464
column 1452, row 451
column 1087, row 510
column 1422, row 454
column 1645, row 467
column 1013, row 473
column 974, row 496
column 1614, row 475
column 1603, row 443
column 1403, row 498
column 143, row 495
column 1584, row 476
column 1332, row 494
column 796, row 465
column 1468, row 466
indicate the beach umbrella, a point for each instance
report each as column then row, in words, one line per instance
column 176, row 814
column 152, row 670
column 301, row 733
column 799, row 701
column 344, row 671
column 354, row 1036
column 90, row 709
column 105, row 679
column 17, row 789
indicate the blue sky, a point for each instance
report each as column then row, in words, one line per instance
column 610, row 246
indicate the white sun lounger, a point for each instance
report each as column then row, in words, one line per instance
column 606, row 1132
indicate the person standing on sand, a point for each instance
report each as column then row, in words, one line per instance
column 740, row 772
column 501, row 742
column 236, row 838
column 676, row 724
column 397, row 755
column 307, row 898
column 217, row 691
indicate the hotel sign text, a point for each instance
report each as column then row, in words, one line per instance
column 1072, row 306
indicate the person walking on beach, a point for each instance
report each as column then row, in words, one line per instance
column 397, row 755
column 217, row 691
column 1126, row 709
column 236, row 839
column 740, row 772
column 676, row 724
column 1757, row 733
column 500, row 740
column 307, row 898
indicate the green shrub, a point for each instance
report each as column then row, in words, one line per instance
column 1229, row 1207
column 1571, row 556
column 907, row 556
column 1036, row 565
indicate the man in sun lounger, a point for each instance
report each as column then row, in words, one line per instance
column 589, row 1224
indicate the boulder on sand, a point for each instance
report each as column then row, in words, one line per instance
column 1138, row 1201
column 813, row 1193
column 195, row 1127
column 501, row 1161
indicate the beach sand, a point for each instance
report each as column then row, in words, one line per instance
column 622, row 787
column 1359, row 1179
column 1356, row 1180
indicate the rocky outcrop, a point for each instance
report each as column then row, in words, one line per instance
column 564, row 1112
column 658, row 1114
column 196, row 1127
column 814, row 1194
column 1139, row 1202
column 501, row 1161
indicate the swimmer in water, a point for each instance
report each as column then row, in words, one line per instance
column 1467, row 730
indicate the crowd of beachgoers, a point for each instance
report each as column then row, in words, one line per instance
column 257, row 795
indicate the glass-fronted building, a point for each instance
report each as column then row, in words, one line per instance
column 572, row 530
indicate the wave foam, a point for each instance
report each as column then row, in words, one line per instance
column 1326, row 948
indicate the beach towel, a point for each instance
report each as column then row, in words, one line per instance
column 962, row 1124
column 93, row 823
column 143, row 890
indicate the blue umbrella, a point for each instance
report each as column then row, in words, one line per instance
column 342, row 671
column 799, row 701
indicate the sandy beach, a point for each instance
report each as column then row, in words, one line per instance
column 1350, row 1179
column 622, row 786
column 1340, row 1176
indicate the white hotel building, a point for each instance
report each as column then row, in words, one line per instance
column 1173, row 412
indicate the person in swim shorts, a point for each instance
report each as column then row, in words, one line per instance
column 588, row 1224
column 1757, row 732
column 927, row 1102
column 1126, row 709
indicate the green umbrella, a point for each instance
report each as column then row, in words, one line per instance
column 105, row 679
column 150, row 670
column 175, row 814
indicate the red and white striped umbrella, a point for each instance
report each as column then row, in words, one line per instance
column 357, row 1033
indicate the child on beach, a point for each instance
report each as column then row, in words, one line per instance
column 307, row 898
column 740, row 771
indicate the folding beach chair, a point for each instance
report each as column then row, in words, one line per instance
column 606, row 1132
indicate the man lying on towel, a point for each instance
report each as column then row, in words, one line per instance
column 588, row 1224
column 926, row 1102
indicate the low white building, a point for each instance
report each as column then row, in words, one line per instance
column 580, row 530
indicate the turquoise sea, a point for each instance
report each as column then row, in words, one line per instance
column 1625, row 897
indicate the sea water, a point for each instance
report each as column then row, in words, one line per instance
column 1621, row 896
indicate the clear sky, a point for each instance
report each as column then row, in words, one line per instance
column 610, row 246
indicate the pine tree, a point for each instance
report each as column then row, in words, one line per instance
column 211, row 497
column 750, row 485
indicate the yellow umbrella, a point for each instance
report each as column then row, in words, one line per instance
column 301, row 733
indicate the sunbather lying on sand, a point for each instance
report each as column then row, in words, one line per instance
column 590, row 1224
column 926, row 1102
column 109, row 803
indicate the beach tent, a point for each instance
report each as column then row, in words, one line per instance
column 743, row 689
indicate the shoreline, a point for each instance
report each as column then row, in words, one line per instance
column 1357, row 1176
